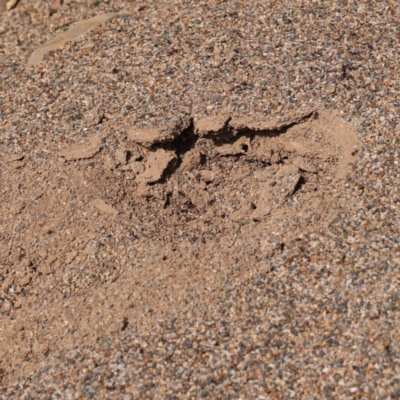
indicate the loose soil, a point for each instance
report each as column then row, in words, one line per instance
column 102, row 235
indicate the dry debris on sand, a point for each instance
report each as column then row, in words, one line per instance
column 199, row 199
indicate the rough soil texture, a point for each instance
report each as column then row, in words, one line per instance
column 199, row 200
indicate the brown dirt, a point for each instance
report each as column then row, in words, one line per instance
column 101, row 234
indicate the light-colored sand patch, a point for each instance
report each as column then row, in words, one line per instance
column 74, row 33
column 7, row 5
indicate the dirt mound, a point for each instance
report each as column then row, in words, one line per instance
column 237, row 167
column 108, row 232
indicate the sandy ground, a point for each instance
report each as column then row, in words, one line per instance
column 199, row 199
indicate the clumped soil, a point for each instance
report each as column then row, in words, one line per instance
column 155, row 225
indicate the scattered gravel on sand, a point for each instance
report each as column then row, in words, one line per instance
column 93, row 305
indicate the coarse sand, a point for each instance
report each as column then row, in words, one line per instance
column 199, row 199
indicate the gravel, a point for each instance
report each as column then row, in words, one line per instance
column 319, row 318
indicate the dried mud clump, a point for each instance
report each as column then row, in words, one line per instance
column 82, row 150
column 161, row 135
column 243, row 168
